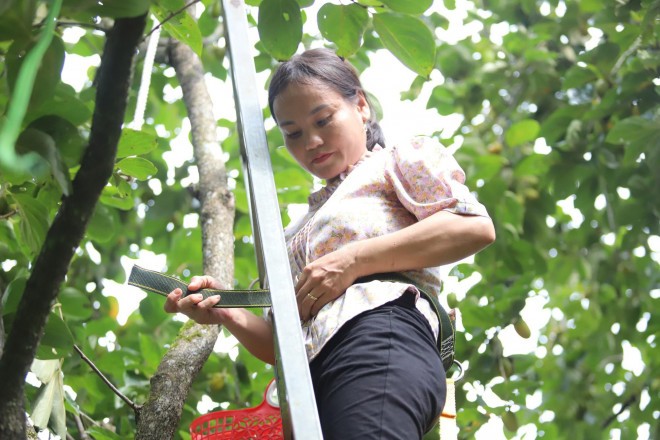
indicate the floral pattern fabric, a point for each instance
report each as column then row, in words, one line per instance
column 387, row 190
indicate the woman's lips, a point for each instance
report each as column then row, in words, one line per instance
column 321, row 158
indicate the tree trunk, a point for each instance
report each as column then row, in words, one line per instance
column 159, row 417
column 69, row 225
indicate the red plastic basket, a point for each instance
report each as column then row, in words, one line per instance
column 262, row 422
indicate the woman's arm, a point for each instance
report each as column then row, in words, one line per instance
column 439, row 239
column 254, row 332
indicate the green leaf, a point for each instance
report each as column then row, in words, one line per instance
column 75, row 304
column 408, row 39
column 56, row 341
column 180, row 26
column 103, row 434
column 292, row 177
column 63, row 103
column 33, row 140
column 137, row 167
column 151, row 309
column 16, row 18
column 135, row 143
column 414, row 90
column 632, row 129
column 488, row 166
column 343, row 25
column 12, row 295
column 523, row 131
column 554, row 127
column 455, row 61
column 115, row 8
column 150, row 352
column 640, row 135
column 34, row 221
column 280, row 27
column 208, row 21
column 48, row 75
column 102, row 225
column 578, row 76
column 533, row 165
column 186, row 248
column 124, row 203
column 408, row 6
column 443, row 100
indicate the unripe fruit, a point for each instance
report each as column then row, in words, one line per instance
column 522, row 328
column 217, row 381
column 510, row 421
column 495, row 148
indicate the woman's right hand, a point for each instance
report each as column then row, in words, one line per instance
column 195, row 306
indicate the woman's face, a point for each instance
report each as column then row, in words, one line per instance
column 323, row 131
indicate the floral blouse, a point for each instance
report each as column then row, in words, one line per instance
column 387, row 190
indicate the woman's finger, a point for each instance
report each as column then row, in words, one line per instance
column 171, row 301
column 209, row 302
column 309, row 302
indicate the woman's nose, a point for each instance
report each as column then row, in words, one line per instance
column 313, row 141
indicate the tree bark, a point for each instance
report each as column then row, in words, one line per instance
column 159, row 417
column 69, row 225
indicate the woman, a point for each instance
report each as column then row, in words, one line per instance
column 376, row 371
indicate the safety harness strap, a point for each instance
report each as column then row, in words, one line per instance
column 161, row 284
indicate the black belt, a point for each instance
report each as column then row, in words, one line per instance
column 161, row 284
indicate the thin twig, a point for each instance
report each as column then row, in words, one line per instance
column 169, row 17
column 83, row 25
column 632, row 399
column 81, row 428
column 128, row 401
column 7, row 215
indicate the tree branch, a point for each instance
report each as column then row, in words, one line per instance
column 178, row 368
column 129, row 402
column 632, row 399
column 96, row 27
column 7, row 215
column 68, row 227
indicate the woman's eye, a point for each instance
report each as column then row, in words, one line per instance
column 323, row 122
column 294, row 135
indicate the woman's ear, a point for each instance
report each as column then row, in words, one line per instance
column 363, row 107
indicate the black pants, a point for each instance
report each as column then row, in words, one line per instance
column 380, row 376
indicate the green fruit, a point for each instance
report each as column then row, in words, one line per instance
column 510, row 421
column 522, row 328
column 506, row 367
column 217, row 381
column 452, row 301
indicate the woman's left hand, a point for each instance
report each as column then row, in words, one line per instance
column 325, row 280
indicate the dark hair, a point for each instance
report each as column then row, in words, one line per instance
column 327, row 67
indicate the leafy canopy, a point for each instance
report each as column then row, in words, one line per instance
column 559, row 138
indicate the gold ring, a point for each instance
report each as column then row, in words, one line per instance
column 312, row 297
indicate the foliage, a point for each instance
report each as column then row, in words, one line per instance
column 559, row 100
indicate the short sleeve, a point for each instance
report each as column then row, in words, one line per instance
column 427, row 179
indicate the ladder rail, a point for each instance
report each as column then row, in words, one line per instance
column 299, row 412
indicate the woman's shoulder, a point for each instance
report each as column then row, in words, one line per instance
column 418, row 142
